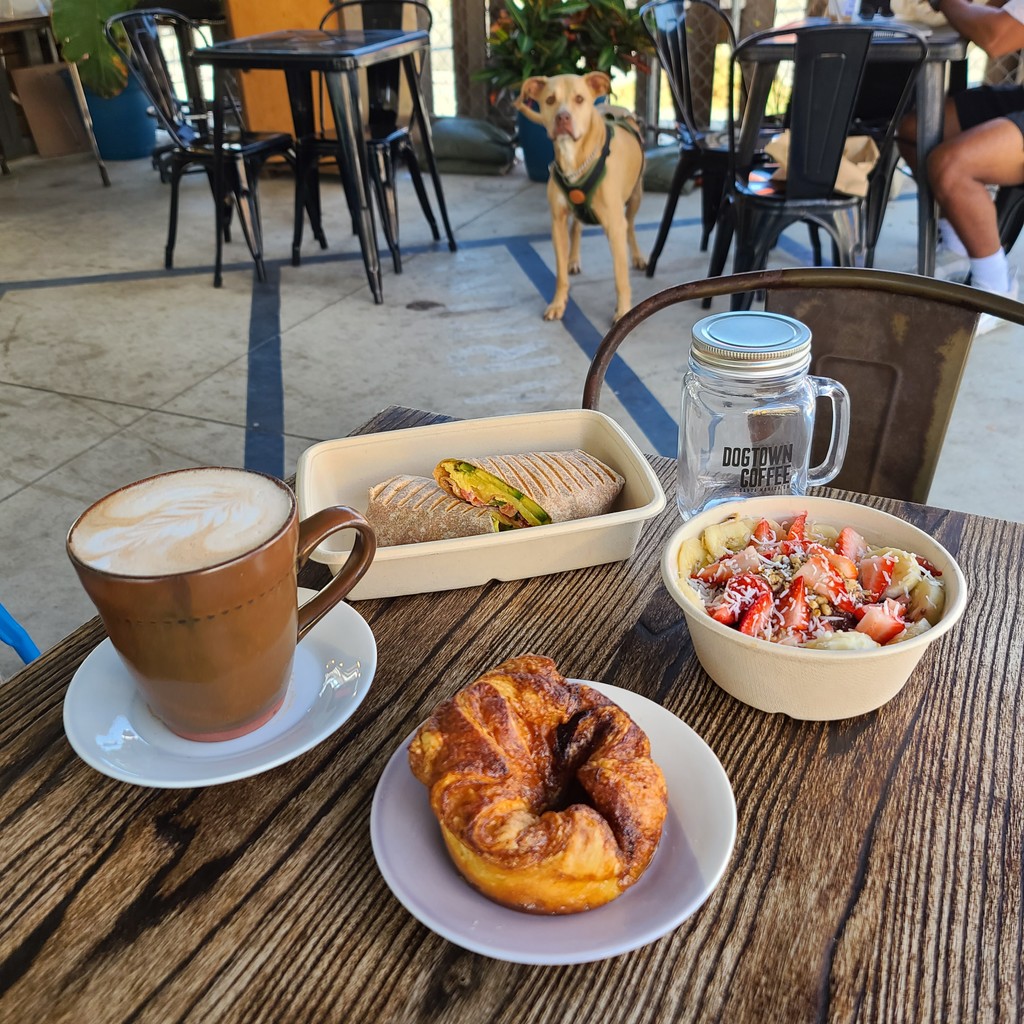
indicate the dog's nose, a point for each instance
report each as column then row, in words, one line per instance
column 563, row 119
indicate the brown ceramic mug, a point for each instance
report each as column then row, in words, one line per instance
column 194, row 575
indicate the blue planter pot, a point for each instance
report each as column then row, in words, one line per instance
column 124, row 131
column 538, row 150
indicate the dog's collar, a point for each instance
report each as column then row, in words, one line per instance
column 579, row 191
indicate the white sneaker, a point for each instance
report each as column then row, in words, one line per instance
column 987, row 321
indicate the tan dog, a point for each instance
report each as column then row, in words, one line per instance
column 587, row 183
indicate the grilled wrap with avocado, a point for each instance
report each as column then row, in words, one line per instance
column 409, row 509
column 534, row 488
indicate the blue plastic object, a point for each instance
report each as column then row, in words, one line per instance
column 13, row 634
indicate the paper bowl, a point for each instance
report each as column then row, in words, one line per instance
column 807, row 684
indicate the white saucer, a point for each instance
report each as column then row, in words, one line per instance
column 695, row 847
column 110, row 727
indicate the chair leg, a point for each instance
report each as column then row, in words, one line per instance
column 876, row 202
column 382, row 176
column 815, row 236
column 1010, row 214
column 712, row 188
column 228, row 202
column 248, row 202
column 686, row 167
column 421, row 192
column 312, row 197
column 724, row 229
column 172, row 227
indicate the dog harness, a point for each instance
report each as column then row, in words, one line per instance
column 580, row 194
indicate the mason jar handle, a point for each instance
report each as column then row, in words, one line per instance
column 825, row 387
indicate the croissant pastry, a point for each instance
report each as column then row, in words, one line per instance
column 545, row 790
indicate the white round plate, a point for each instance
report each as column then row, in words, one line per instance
column 700, row 830
column 110, row 727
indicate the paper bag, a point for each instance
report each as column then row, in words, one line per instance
column 860, row 154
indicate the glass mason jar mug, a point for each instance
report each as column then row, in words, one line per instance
column 746, row 417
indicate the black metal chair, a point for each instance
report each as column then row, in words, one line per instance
column 388, row 140
column 137, row 37
column 898, row 342
column 686, row 34
column 827, row 71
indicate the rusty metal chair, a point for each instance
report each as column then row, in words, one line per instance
column 898, row 342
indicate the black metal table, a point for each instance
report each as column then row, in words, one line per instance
column 299, row 53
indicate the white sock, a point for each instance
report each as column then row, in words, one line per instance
column 950, row 239
column 991, row 273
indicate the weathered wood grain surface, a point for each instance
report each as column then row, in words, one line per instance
column 877, row 873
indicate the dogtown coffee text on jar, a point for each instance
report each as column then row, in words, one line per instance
column 747, row 413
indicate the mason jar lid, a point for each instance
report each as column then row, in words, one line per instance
column 751, row 343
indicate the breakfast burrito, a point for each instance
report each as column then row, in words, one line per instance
column 409, row 509
column 534, row 488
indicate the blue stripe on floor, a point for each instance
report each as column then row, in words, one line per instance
column 645, row 410
column 264, row 403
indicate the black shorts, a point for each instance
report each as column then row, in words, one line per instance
column 987, row 102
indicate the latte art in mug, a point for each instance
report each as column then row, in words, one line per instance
column 181, row 522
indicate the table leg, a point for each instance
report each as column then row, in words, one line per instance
column 930, row 106
column 420, row 116
column 307, row 171
column 343, row 89
column 218, row 171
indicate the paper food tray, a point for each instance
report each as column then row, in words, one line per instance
column 340, row 472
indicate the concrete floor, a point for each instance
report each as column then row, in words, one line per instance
column 112, row 368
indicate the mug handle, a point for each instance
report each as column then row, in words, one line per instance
column 311, row 532
column 825, row 387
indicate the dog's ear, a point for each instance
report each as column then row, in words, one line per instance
column 600, row 84
column 531, row 89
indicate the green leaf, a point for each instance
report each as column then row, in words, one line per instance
column 78, row 26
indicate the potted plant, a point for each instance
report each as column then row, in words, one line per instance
column 554, row 37
column 118, row 106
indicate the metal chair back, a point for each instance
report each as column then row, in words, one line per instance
column 898, row 342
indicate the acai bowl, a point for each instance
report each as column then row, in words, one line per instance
column 808, row 674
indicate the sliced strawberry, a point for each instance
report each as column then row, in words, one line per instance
column 850, row 544
column 824, row 580
column 793, row 606
column 881, row 621
column 739, row 594
column 757, row 620
column 763, row 533
column 843, row 565
column 876, row 574
column 796, row 528
column 730, row 565
column 927, row 566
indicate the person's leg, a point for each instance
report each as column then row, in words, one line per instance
column 960, row 169
column 906, row 133
column 964, row 112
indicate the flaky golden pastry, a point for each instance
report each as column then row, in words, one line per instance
column 545, row 790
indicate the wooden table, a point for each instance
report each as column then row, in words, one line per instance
column 877, row 873
column 945, row 46
column 339, row 56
